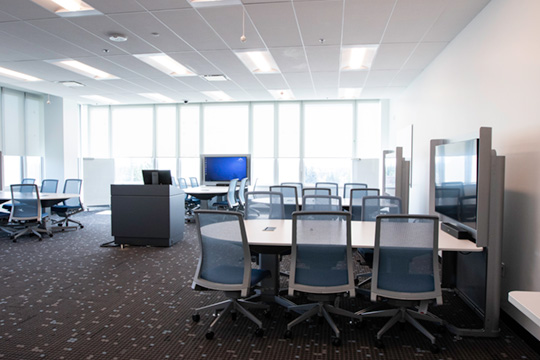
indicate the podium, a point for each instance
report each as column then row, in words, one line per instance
column 150, row 215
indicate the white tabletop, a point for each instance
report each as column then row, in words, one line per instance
column 6, row 196
column 528, row 302
column 362, row 235
column 207, row 190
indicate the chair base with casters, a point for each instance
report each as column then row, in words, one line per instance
column 404, row 312
column 321, row 308
column 65, row 212
column 18, row 229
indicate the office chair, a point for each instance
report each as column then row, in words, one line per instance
column 316, row 191
column 69, row 207
column 224, row 265
column 334, row 187
column 321, row 203
column 406, row 272
column 26, row 215
column 190, row 203
column 7, row 206
column 194, row 182
column 355, row 202
column 231, row 203
column 321, row 266
column 182, row 182
column 49, row 186
column 175, row 181
column 242, row 194
column 264, row 205
column 290, row 198
column 373, row 206
column 347, row 187
column 298, row 186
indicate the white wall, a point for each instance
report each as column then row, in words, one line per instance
column 488, row 76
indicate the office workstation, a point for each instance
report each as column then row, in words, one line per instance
column 434, row 74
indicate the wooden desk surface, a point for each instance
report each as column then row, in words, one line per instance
column 362, row 234
column 528, row 302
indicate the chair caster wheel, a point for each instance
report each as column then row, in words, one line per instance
column 259, row 332
column 196, row 317
column 379, row 344
column 435, row 349
column 336, row 341
column 82, row 226
column 210, row 335
column 288, row 334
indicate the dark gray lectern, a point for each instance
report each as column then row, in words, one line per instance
column 147, row 214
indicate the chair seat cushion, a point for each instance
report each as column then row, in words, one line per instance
column 226, row 274
column 407, row 283
column 63, row 208
column 314, row 277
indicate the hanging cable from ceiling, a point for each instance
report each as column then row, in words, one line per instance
column 243, row 37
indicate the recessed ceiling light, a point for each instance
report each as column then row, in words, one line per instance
column 157, row 97
column 218, row 95
column 101, row 99
column 71, row 83
column 349, row 93
column 258, row 62
column 83, row 69
column 68, row 8
column 215, row 77
column 282, row 94
column 166, row 64
column 17, row 75
column 357, row 57
column 210, row 3
column 117, row 37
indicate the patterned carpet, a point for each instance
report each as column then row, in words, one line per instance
column 68, row 298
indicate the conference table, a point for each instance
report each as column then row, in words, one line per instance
column 205, row 193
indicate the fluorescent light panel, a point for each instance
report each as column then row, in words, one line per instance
column 218, row 95
column 349, row 93
column 215, row 77
column 101, row 99
column 357, row 57
column 282, row 94
column 166, row 64
column 17, row 75
column 258, row 62
column 68, row 8
column 211, row 3
column 157, row 97
column 83, row 69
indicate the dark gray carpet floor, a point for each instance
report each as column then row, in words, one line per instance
column 68, row 298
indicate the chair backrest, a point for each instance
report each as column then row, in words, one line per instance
column 194, row 182
column 49, row 186
column 27, row 181
column 334, row 187
column 372, row 206
column 73, row 186
column 25, row 203
column 321, row 256
column 316, row 191
column 264, row 205
column 183, row 183
column 290, row 198
column 355, row 202
column 347, row 187
column 455, row 184
column 231, row 194
column 405, row 259
column 321, row 203
column 297, row 185
column 224, row 261
column 242, row 191
column 175, row 181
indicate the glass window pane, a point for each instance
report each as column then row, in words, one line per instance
column 263, row 170
column 12, row 170
column 33, row 125
column 189, row 130
column 98, row 132
column 132, row 131
column 263, row 130
column 328, row 130
column 167, row 164
column 368, row 136
column 329, row 170
column 289, row 130
column 13, row 109
column 226, row 129
column 33, row 168
column 129, row 171
column 190, row 167
column 166, row 130
column 289, row 170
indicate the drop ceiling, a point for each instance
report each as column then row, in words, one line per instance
column 304, row 37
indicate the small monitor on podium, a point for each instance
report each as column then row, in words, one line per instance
column 157, row 177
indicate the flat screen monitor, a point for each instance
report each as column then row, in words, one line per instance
column 220, row 169
column 456, row 189
column 157, row 177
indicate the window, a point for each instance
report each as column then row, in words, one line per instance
column 132, row 129
column 98, row 132
column 368, row 133
column 166, row 131
column 226, row 129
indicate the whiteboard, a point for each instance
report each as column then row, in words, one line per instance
column 98, row 175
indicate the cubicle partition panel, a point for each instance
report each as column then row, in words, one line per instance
column 476, row 276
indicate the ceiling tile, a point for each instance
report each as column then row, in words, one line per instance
column 267, row 15
column 365, row 21
column 323, row 58
column 320, row 20
column 352, row 79
column 392, row 56
column 115, row 6
column 424, row 54
column 290, row 59
column 379, row 78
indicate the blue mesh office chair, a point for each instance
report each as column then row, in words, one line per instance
column 69, row 207
column 49, row 186
column 316, row 191
column 242, row 188
column 290, row 198
column 334, row 187
column 321, row 265
column 225, row 265
column 347, row 187
column 355, row 202
column 321, row 203
column 194, row 182
column 231, row 203
column 406, row 271
column 299, row 187
column 264, row 205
